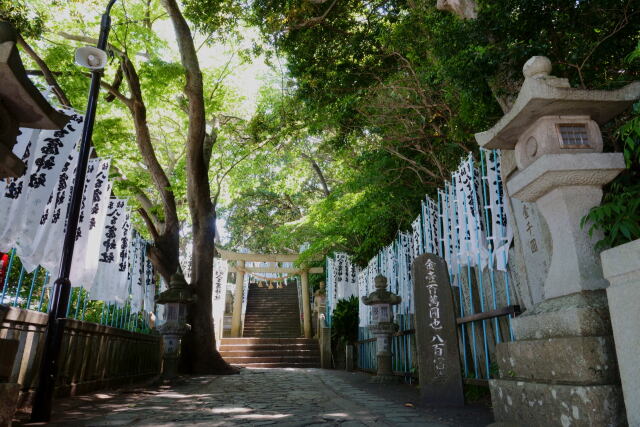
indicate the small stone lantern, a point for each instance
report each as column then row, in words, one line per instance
column 176, row 298
column 382, row 327
column 21, row 104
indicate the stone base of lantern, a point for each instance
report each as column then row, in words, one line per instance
column 385, row 373
column 562, row 369
column 169, row 367
column 386, row 379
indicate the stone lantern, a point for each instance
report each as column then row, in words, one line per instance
column 563, row 364
column 21, row 104
column 382, row 327
column 177, row 299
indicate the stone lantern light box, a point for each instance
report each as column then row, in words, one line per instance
column 380, row 313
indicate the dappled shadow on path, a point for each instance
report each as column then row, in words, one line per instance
column 279, row 396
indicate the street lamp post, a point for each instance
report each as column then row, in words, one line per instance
column 62, row 286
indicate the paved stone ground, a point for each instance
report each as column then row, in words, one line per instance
column 256, row 397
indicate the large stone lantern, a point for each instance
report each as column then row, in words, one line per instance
column 382, row 327
column 562, row 366
column 177, row 299
column 21, row 104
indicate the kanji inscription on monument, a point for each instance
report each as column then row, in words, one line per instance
column 436, row 333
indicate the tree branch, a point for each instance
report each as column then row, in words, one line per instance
column 315, row 20
column 149, row 223
column 117, row 81
column 46, row 72
column 318, row 171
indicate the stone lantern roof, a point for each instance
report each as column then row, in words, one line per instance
column 381, row 295
column 544, row 95
column 21, row 103
column 179, row 291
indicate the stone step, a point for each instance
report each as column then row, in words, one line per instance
column 280, row 365
column 269, row 347
column 264, row 307
column 274, row 334
column 268, row 314
column 272, row 325
column 286, row 325
column 251, row 352
column 268, row 318
column 271, row 341
column 275, row 359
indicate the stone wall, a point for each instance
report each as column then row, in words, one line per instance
column 93, row 356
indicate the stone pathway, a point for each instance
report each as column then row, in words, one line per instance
column 256, row 397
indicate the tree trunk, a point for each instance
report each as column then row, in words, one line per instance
column 199, row 346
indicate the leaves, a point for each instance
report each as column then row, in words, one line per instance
column 344, row 321
column 618, row 217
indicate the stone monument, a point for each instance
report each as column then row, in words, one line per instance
column 382, row 327
column 621, row 267
column 177, row 299
column 436, row 333
column 562, row 368
column 21, row 104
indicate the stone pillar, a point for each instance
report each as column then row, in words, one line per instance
column 562, row 368
column 306, row 305
column 621, row 267
column 236, row 319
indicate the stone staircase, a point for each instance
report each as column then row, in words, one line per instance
column 271, row 352
column 271, row 333
column 272, row 313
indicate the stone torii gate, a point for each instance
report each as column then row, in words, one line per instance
column 273, row 259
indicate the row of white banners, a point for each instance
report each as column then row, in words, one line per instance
column 109, row 260
column 468, row 226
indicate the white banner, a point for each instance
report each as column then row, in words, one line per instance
column 501, row 231
column 136, row 271
column 149, row 285
column 110, row 284
column 218, row 296
column 93, row 209
column 47, row 243
column 33, row 189
column 416, row 238
column 473, row 248
column 432, row 231
column 123, row 254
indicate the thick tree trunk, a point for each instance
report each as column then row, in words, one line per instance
column 199, row 349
